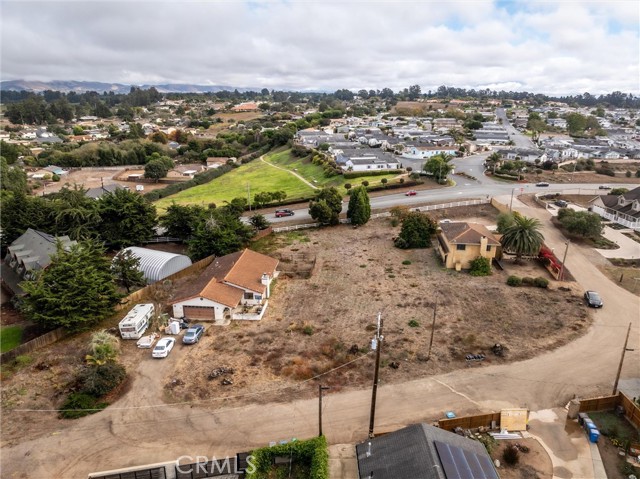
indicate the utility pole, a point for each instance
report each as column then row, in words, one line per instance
column 433, row 325
column 378, row 344
column 564, row 258
column 624, row 350
column 511, row 202
column 320, row 389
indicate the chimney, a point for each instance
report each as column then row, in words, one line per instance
column 266, row 281
column 483, row 246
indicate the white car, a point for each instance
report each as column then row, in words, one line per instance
column 163, row 347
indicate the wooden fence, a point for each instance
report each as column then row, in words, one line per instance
column 136, row 296
column 470, row 422
column 609, row 403
column 37, row 343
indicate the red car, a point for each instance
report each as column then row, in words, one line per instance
column 411, row 193
column 281, row 213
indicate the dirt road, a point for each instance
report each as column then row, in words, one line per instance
column 139, row 429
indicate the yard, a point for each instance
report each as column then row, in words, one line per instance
column 10, row 337
column 616, row 432
column 320, row 323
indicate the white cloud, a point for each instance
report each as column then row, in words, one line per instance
column 549, row 47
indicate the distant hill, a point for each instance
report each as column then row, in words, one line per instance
column 84, row 86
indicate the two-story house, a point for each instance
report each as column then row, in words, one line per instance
column 623, row 209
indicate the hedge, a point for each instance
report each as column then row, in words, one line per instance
column 507, row 177
column 313, row 452
column 199, row 179
column 357, row 174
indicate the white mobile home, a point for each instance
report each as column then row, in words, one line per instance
column 136, row 322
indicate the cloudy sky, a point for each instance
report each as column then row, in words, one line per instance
column 553, row 47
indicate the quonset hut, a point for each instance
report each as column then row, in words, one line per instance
column 157, row 265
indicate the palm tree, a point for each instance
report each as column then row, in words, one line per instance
column 522, row 237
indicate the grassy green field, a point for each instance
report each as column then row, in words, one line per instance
column 262, row 177
column 315, row 174
column 257, row 174
column 10, row 337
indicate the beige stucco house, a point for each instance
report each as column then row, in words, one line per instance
column 460, row 243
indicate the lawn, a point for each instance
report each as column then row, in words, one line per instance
column 261, row 177
column 315, row 174
column 10, row 337
column 257, row 176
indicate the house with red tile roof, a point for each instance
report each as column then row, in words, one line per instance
column 235, row 286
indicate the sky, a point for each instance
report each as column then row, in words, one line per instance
column 551, row 47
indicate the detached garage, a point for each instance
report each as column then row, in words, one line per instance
column 157, row 265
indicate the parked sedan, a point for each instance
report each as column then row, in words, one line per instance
column 411, row 193
column 593, row 299
column 163, row 347
column 193, row 334
column 542, row 183
column 604, row 187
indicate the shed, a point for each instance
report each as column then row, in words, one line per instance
column 157, row 265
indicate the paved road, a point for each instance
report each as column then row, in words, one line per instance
column 521, row 141
column 133, row 431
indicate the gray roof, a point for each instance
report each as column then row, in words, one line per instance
column 97, row 192
column 415, row 453
column 34, row 248
column 157, row 265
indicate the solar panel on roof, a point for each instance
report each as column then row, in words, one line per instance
column 460, row 463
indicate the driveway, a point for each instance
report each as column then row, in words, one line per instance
column 629, row 249
column 141, row 429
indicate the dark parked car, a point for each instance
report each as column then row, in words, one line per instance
column 593, row 299
column 561, row 203
column 542, row 183
column 193, row 334
column 604, row 187
column 281, row 213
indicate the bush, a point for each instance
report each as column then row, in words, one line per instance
column 514, row 281
column 308, row 330
column 102, row 379
column 527, row 281
column 357, row 174
column 312, row 452
column 80, row 405
column 480, row 267
column 511, row 455
column 541, row 282
column 605, row 171
column 413, row 323
column 406, row 262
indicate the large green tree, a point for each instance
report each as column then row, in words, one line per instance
column 416, row 231
column 523, row 237
column 126, row 270
column 12, row 178
column 156, row 169
column 181, row 221
column 326, row 206
column 76, row 214
column 126, row 218
column 20, row 212
column 439, row 167
column 359, row 210
column 76, row 290
column 581, row 223
column 220, row 233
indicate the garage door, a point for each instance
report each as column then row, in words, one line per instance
column 199, row 312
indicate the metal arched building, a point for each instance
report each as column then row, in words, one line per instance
column 157, row 265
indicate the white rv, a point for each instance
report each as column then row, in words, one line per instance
column 136, row 322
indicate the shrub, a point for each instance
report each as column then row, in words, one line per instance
column 308, row 330
column 480, row 267
column 541, row 282
column 80, row 405
column 102, row 379
column 406, row 262
column 57, row 178
column 514, row 281
column 511, row 455
column 312, row 452
column 605, row 171
column 103, row 347
column 365, row 183
column 413, row 323
column 527, row 281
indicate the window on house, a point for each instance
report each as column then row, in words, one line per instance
column 460, row 247
column 488, row 247
column 248, row 295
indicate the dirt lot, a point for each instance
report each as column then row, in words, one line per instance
column 92, row 178
column 321, row 323
column 535, row 464
column 561, row 176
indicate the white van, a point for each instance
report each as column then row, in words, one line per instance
column 136, row 322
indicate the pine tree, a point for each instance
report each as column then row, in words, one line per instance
column 76, row 290
column 359, row 210
column 126, row 269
